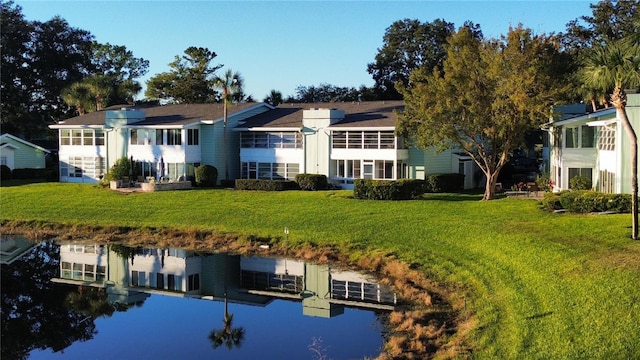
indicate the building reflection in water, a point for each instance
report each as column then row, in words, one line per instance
column 130, row 275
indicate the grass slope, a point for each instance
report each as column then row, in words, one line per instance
column 540, row 285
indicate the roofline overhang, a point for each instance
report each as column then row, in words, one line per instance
column 595, row 115
column 257, row 128
column 362, row 128
column 603, row 122
column 30, row 144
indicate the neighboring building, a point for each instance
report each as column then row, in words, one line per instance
column 594, row 145
column 17, row 153
column 181, row 137
column 344, row 141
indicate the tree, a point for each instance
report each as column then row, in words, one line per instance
column 79, row 96
column 408, row 45
column 489, row 94
column 228, row 335
column 610, row 20
column 616, row 66
column 274, row 98
column 39, row 59
column 190, row 79
column 230, row 84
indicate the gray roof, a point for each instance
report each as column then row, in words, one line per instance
column 173, row 114
column 357, row 114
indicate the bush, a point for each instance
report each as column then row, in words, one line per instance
column 120, row 169
column 544, row 182
column 551, row 201
column 265, row 185
column 388, row 189
column 585, row 201
column 5, row 172
column 312, row 182
column 28, row 173
column 444, row 183
column 206, row 176
column 580, row 182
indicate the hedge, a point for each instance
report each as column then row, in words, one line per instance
column 404, row 189
column 5, row 172
column 444, row 183
column 312, row 182
column 586, row 201
column 206, row 176
column 30, row 173
column 265, row 185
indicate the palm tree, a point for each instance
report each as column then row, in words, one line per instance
column 274, row 98
column 617, row 66
column 79, row 96
column 229, row 336
column 101, row 89
column 231, row 84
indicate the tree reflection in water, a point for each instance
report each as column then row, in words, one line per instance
column 38, row 314
column 229, row 336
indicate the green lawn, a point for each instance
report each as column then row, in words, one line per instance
column 542, row 285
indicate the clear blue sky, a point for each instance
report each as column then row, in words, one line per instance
column 283, row 44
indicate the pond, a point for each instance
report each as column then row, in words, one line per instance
column 79, row 301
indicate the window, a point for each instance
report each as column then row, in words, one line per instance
column 66, row 270
column 160, row 136
column 87, row 137
column 76, row 137
column 174, row 137
column 607, row 138
column 194, row 282
column 160, row 281
column 99, row 134
column 387, row 140
column 246, row 139
column 3, row 160
column 370, row 140
column 571, row 135
column 264, row 171
column 65, row 137
column 588, row 136
column 384, row 169
column 339, row 140
column 580, row 137
column 354, row 140
column 261, row 140
column 193, row 136
column 138, row 136
column 585, row 172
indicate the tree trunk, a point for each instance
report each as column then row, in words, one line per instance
column 490, row 186
column 619, row 99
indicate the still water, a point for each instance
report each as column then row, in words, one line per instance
column 85, row 301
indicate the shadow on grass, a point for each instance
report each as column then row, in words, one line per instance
column 464, row 196
column 9, row 183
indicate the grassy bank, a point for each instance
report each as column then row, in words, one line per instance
column 540, row 285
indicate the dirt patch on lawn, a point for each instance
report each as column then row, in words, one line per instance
column 431, row 322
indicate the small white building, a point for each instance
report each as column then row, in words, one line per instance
column 593, row 145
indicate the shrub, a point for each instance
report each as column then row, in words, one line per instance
column 5, row 172
column 206, row 176
column 265, row 185
column 388, row 189
column 580, row 182
column 544, row 182
column 444, row 183
column 584, row 201
column 29, row 173
column 551, row 201
column 120, row 169
column 312, row 182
